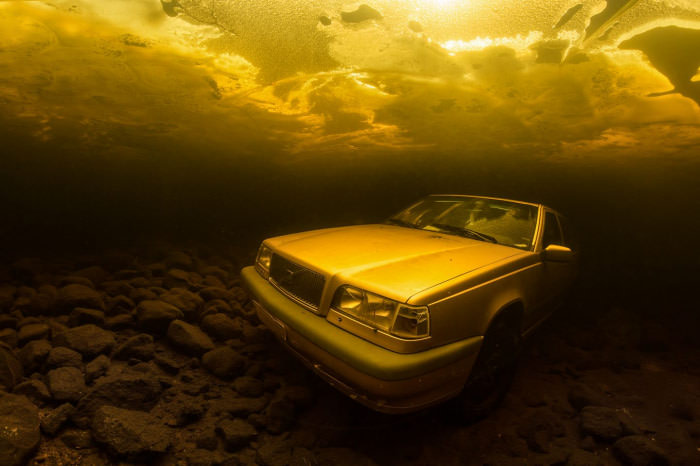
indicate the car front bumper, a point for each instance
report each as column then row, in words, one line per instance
column 381, row 379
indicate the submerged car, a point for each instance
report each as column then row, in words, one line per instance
column 431, row 305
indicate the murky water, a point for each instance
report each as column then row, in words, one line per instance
column 198, row 120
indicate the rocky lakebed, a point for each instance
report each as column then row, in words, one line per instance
column 159, row 358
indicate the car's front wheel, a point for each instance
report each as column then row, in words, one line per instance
column 493, row 370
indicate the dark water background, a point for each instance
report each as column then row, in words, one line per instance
column 638, row 219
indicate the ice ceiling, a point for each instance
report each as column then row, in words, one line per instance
column 300, row 78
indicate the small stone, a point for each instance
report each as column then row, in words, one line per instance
column 279, row 416
column 140, row 347
column 129, row 390
column 189, row 338
column 96, row 368
column 78, row 439
column 236, row 433
column 185, row 300
column 583, row 458
column 33, row 355
column 35, row 390
column 52, row 422
column 128, row 433
column 89, row 340
column 117, row 287
column 582, row 395
column 67, row 384
column 119, row 322
column 637, row 450
column 222, row 327
column 9, row 337
column 64, row 357
column 207, row 440
column 77, row 295
column 32, row 332
column 224, row 362
column 600, row 422
column 82, row 316
column 299, row 395
column 249, row 386
column 275, row 451
column 155, row 316
column 167, row 364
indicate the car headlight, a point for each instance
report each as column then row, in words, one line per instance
column 262, row 261
column 401, row 320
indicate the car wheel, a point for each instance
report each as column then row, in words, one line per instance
column 493, row 371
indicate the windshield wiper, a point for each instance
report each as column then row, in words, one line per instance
column 402, row 223
column 466, row 232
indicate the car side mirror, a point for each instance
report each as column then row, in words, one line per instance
column 557, row 253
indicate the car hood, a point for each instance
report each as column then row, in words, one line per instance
column 396, row 262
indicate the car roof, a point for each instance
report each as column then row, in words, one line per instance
column 488, row 197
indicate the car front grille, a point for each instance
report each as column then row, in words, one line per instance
column 298, row 282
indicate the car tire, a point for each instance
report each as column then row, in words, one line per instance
column 492, row 373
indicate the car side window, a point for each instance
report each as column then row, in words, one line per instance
column 552, row 234
column 568, row 234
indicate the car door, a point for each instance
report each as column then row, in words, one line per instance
column 557, row 274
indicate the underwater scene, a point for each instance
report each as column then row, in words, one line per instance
column 149, row 147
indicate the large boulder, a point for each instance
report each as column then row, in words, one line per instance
column 155, row 316
column 189, row 338
column 222, row 327
column 66, row 384
column 89, row 340
column 224, row 362
column 10, row 369
column 77, row 295
column 130, row 434
column 129, row 390
column 19, row 429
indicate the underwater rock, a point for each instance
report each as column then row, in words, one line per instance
column 52, row 421
column 61, row 356
column 131, row 434
column 224, row 362
column 96, row 368
column 185, row 300
column 222, row 327
column 82, row 316
column 89, row 340
column 189, row 338
column 33, row 355
column 637, row 450
column 10, row 369
column 76, row 295
column 130, row 390
column 66, row 384
column 601, row 422
column 139, row 346
column 19, row 435
column 155, row 316
column 35, row 390
column 32, row 332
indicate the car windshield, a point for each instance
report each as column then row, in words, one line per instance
column 494, row 220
